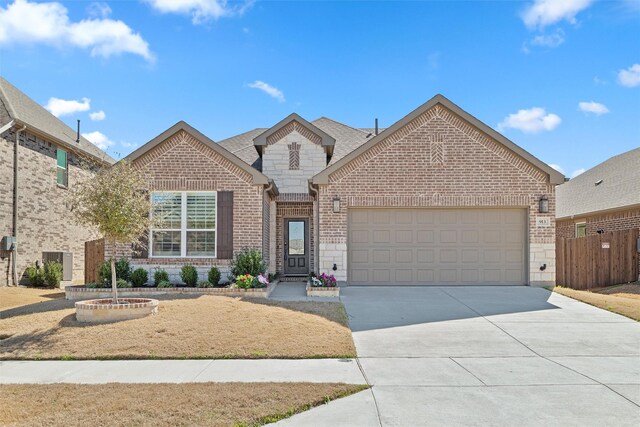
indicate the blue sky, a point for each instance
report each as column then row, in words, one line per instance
column 559, row 78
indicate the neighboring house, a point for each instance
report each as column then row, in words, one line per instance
column 604, row 198
column 439, row 197
column 50, row 160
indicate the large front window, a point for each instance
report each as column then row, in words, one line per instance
column 187, row 224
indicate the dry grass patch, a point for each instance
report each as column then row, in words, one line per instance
column 623, row 299
column 192, row 328
column 16, row 297
column 206, row 404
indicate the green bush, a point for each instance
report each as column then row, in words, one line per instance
column 214, row 276
column 123, row 270
column 139, row 277
column 248, row 261
column 91, row 285
column 165, row 284
column 205, row 284
column 160, row 276
column 189, row 275
column 121, row 283
column 52, row 273
column 35, row 275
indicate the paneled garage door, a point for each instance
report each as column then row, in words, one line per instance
column 433, row 246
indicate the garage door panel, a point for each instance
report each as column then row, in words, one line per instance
column 452, row 246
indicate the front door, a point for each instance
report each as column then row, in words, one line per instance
column 296, row 246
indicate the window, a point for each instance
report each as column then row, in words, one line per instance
column 188, row 224
column 62, row 173
column 581, row 229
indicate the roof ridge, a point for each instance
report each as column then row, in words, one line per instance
column 5, row 98
column 340, row 123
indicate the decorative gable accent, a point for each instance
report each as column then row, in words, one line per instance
column 436, row 145
column 294, row 156
column 294, row 126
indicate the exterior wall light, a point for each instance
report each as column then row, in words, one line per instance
column 336, row 204
column 543, row 204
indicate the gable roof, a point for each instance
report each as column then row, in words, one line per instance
column 554, row 176
column 620, row 187
column 258, row 177
column 38, row 120
column 327, row 140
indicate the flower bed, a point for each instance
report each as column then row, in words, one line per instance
column 82, row 292
column 324, row 285
column 103, row 310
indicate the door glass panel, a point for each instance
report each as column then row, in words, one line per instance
column 296, row 238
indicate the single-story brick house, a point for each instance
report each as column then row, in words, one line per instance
column 604, row 198
column 41, row 158
column 438, row 197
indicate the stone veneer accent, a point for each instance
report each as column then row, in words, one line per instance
column 401, row 171
column 276, row 160
column 44, row 221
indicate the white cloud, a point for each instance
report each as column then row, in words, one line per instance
column 533, row 120
column 542, row 13
column 97, row 116
column 630, row 77
column 98, row 9
column 593, row 107
column 577, row 172
column 48, row 23
column 273, row 92
column 201, row 11
column 557, row 167
column 62, row 107
column 551, row 40
column 99, row 139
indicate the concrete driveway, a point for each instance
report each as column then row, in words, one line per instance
column 486, row 356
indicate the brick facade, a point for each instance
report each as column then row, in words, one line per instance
column 291, row 210
column 183, row 163
column 437, row 160
column 44, row 221
column 611, row 221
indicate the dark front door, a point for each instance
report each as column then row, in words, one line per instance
column 296, row 246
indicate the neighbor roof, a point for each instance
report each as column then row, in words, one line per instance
column 258, row 177
column 26, row 111
column 619, row 187
column 555, row 176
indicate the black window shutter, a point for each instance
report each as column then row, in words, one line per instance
column 224, row 240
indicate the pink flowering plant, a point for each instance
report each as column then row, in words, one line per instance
column 247, row 281
column 262, row 281
column 324, row 280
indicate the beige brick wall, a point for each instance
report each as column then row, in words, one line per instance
column 183, row 163
column 437, row 160
column 44, row 221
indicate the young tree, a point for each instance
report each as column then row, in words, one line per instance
column 115, row 202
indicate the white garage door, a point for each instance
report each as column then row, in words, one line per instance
column 437, row 246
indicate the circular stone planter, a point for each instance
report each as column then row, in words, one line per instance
column 103, row 310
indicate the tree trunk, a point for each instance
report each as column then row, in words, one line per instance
column 114, row 287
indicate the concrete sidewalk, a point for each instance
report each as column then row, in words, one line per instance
column 180, row 371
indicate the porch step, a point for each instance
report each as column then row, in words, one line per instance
column 301, row 279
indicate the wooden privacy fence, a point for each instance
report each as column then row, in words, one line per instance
column 595, row 261
column 93, row 257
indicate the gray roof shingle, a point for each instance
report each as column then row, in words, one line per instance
column 620, row 187
column 24, row 109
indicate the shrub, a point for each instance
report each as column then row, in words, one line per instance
column 35, row 275
column 165, row 284
column 248, row 261
column 189, row 275
column 244, row 281
column 91, row 285
column 328, row 280
column 123, row 270
column 139, row 277
column 214, row 276
column 205, row 284
column 160, row 276
column 52, row 273
column 121, row 283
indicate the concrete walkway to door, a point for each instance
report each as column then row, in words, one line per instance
column 486, row 356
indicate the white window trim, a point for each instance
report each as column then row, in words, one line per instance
column 183, row 228
column 65, row 168
column 576, row 228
